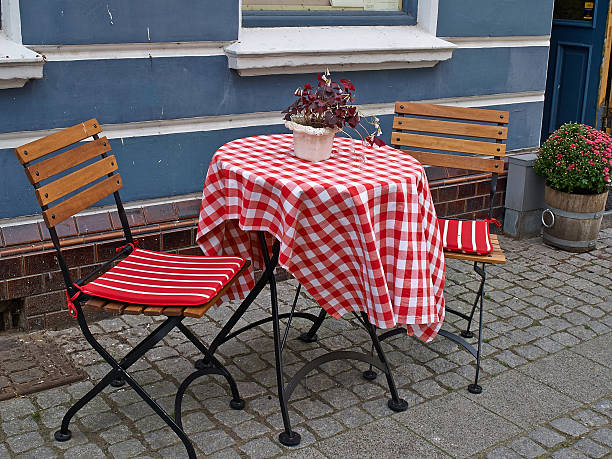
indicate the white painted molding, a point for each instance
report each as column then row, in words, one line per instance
column 18, row 64
column 282, row 50
column 427, row 16
column 57, row 53
column 501, row 42
column 216, row 123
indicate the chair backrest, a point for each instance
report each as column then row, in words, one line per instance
column 67, row 181
column 441, row 135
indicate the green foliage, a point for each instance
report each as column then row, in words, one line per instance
column 577, row 159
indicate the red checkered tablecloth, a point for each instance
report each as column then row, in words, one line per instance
column 358, row 236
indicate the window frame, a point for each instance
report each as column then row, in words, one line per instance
column 407, row 16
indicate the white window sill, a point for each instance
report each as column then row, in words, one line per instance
column 283, row 50
column 18, row 64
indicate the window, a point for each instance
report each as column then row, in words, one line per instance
column 296, row 13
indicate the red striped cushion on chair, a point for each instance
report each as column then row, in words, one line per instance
column 153, row 278
column 467, row 236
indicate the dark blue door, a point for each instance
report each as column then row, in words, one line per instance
column 574, row 63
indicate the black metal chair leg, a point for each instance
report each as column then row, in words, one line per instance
column 311, row 335
column 370, row 374
column 396, row 403
column 475, row 388
column 467, row 333
column 64, row 434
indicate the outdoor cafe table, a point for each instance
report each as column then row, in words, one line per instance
column 358, row 231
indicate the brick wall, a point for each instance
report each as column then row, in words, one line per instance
column 32, row 294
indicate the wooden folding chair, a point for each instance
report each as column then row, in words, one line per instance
column 135, row 281
column 445, row 136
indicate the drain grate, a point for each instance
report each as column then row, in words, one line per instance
column 30, row 364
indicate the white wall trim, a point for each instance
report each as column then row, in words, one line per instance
column 216, row 123
column 427, row 16
column 501, row 42
column 59, row 53
column 11, row 20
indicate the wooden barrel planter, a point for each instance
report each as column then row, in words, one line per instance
column 571, row 221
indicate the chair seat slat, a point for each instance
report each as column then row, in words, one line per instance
column 496, row 256
column 457, row 161
column 476, row 147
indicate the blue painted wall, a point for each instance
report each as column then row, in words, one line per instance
column 119, row 91
column 496, row 18
column 64, row 22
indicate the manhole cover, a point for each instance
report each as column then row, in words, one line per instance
column 30, row 364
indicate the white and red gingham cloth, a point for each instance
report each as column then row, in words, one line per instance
column 358, row 236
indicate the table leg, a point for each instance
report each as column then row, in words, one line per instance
column 288, row 437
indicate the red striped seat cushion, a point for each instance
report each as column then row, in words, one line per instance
column 467, row 236
column 153, row 278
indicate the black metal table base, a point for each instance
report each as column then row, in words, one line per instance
column 290, row 437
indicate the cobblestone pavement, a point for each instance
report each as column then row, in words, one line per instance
column 547, row 380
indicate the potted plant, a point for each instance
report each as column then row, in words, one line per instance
column 576, row 161
column 319, row 113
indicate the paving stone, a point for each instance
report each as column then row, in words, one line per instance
column 260, row 448
column 565, row 339
column 116, row 434
column 19, row 426
column 428, row 388
column 501, row 452
column 569, row 426
column 212, row 440
column 590, row 448
column 325, row 427
column 39, row 453
column 568, row 453
column 522, row 400
column 100, row 421
column 546, row 437
column 127, row 448
column 603, row 436
column 162, row 438
column 15, row 408
column 572, row 375
column 379, row 439
column 52, row 397
column 526, row 447
column 85, row 452
column 510, row 359
column 597, row 349
column 353, row 417
column 453, row 422
column 21, row 443
column 589, row 418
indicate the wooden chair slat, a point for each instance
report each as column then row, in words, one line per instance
column 457, row 161
column 458, row 113
column 64, row 161
column 114, row 307
column 484, row 131
column 67, row 184
column 53, row 142
column 82, row 200
column 496, row 256
column 95, row 303
column 430, row 142
column 174, row 311
column 153, row 310
column 133, row 309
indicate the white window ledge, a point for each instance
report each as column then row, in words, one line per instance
column 283, row 50
column 18, row 64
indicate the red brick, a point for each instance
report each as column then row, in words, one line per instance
column 59, row 320
column 40, row 262
column 44, row 303
column 135, row 217
column 447, row 193
column 24, row 286
column 499, row 200
column 11, row 267
column 475, row 204
column 467, row 190
column 149, row 242
column 85, row 270
column 456, row 207
column 435, row 194
column 21, row 234
column 94, row 223
column 2, row 290
column 188, row 209
column 79, row 256
column 436, row 173
column 177, row 239
column 160, row 213
column 107, row 250
column 35, row 323
column 483, row 187
column 67, row 228
column 191, row 251
column 54, row 280
column 441, row 209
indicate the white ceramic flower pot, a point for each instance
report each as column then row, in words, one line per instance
column 310, row 143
